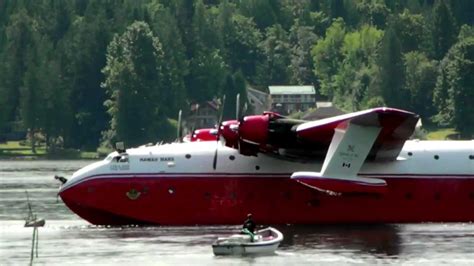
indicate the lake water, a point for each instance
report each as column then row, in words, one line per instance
column 68, row 240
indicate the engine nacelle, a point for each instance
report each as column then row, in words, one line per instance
column 254, row 129
column 229, row 131
column 205, row 134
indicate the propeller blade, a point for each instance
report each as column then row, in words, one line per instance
column 214, row 162
column 178, row 133
column 221, row 115
column 237, row 106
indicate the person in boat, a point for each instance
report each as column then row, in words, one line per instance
column 249, row 227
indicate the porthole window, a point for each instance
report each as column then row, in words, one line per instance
column 257, row 167
column 471, row 157
column 436, row 157
column 232, row 157
column 188, row 156
column 410, row 153
column 408, row 196
column 171, row 190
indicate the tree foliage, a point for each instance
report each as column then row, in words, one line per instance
column 54, row 56
column 391, row 72
column 455, row 87
column 134, row 83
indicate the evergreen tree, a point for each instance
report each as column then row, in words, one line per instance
column 134, row 85
column 243, row 48
column 234, row 85
column 412, row 31
column 31, row 104
column 455, row 88
column 176, row 68
column 84, row 49
column 391, row 73
column 276, row 49
column 373, row 12
column 57, row 112
column 53, row 51
column 463, row 11
column 327, row 55
column 302, row 39
column 18, row 38
column 207, row 72
column 184, row 12
column 444, row 29
column 420, row 80
column 62, row 20
column 354, row 82
column 260, row 10
column 337, row 9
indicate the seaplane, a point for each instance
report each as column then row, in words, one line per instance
column 360, row 167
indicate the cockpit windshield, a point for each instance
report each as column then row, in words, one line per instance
column 110, row 156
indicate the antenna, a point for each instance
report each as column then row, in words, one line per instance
column 214, row 161
column 178, row 133
column 237, row 107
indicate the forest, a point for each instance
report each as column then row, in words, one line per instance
column 83, row 73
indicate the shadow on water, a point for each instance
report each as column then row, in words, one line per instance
column 378, row 239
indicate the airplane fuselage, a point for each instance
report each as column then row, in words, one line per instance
column 176, row 184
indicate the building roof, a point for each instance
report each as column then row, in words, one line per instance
column 278, row 90
column 212, row 104
column 257, row 92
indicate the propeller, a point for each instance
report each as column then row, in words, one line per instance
column 178, row 133
column 219, row 122
column 237, row 107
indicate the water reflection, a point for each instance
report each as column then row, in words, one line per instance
column 66, row 237
column 378, row 239
column 374, row 240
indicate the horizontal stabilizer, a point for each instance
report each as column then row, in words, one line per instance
column 339, row 185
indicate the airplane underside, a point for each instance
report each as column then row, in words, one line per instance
column 206, row 199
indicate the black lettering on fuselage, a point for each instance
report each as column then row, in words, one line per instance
column 166, row 159
column 149, row 159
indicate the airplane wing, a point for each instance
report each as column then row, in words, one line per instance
column 346, row 141
column 396, row 126
column 376, row 133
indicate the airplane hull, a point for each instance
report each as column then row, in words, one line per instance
column 206, row 199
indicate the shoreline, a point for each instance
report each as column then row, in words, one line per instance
column 17, row 151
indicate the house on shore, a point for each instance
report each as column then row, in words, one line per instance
column 289, row 99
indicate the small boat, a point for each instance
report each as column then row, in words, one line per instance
column 35, row 222
column 265, row 241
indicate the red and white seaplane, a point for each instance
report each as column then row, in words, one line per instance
column 354, row 168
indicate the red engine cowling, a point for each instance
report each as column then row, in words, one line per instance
column 254, row 129
column 205, row 134
column 229, row 131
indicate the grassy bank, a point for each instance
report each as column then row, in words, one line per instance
column 17, row 150
column 442, row 134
